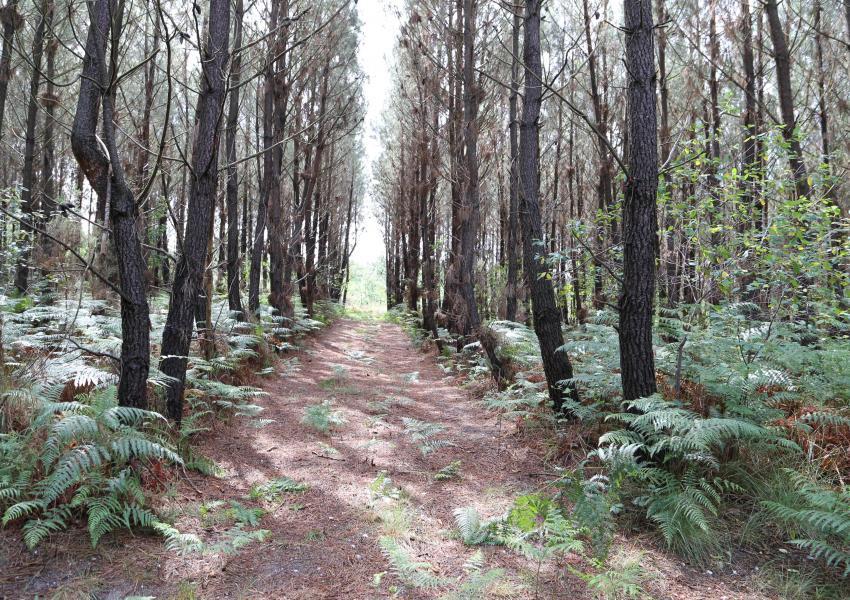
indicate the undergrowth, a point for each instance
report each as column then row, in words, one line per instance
column 752, row 418
column 67, row 450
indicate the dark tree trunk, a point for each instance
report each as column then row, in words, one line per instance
column 311, row 195
column 11, row 21
column 48, row 155
column 749, row 164
column 714, row 90
column 189, row 275
column 257, row 242
column 234, row 297
column 28, row 183
column 162, row 240
column 280, row 291
column 143, row 152
column 823, row 114
column 547, row 318
column 670, row 284
column 105, row 174
column 513, row 207
column 604, row 197
column 429, row 236
column 637, row 362
column 454, row 49
column 469, row 321
column 782, row 58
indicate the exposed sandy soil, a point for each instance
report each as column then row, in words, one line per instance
column 324, row 542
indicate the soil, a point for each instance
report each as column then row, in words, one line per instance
column 324, row 542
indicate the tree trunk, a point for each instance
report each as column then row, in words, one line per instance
column 513, row 208
column 280, row 291
column 28, row 199
column 749, row 164
column 547, row 318
column 782, row 58
column 189, row 275
column 469, row 321
column 234, row 297
column 311, row 191
column 604, row 198
column 11, row 21
column 105, row 174
column 823, row 115
column 257, row 242
column 637, row 363
column 48, row 156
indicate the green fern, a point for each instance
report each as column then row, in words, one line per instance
column 820, row 520
column 472, row 529
column 175, row 541
column 273, row 490
column 423, row 432
column 450, row 471
column 417, row 574
column 322, row 417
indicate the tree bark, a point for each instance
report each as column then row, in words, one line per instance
column 48, row 154
column 11, row 21
column 547, row 318
column 311, row 191
column 782, row 58
column 604, row 197
column 469, row 320
column 280, row 291
column 234, row 297
column 257, row 242
column 28, row 183
column 749, row 164
column 513, row 206
column 102, row 165
column 823, row 114
column 189, row 275
column 637, row 362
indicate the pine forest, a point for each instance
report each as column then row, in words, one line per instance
column 456, row 299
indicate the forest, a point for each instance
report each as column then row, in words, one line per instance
column 604, row 353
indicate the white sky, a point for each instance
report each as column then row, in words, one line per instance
column 377, row 40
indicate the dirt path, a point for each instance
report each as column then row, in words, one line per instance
column 326, row 539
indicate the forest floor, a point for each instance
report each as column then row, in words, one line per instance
column 324, row 541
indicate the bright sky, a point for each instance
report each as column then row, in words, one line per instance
column 377, row 40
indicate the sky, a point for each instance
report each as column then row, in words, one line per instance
column 377, row 40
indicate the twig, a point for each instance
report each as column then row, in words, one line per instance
column 326, row 457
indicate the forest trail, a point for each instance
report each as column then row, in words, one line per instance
column 325, row 540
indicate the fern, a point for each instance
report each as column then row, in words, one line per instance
column 685, row 509
column 477, row 582
column 236, row 538
column 417, row 574
column 821, row 516
column 273, row 490
column 322, row 417
column 181, row 543
column 89, row 462
column 450, row 471
column 472, row 529
column 423, row 433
